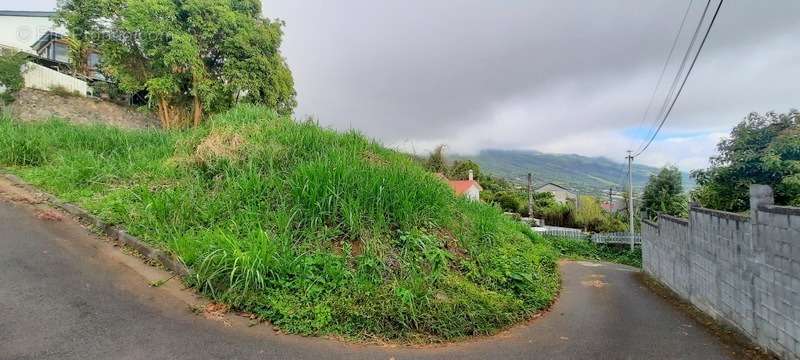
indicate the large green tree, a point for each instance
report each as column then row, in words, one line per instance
column 664, row 194
column 191, row 56
column 762, row 149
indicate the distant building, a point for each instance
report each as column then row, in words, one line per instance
column 469, row 188
column 560, row 193
column 20, row 29
column 617, row 204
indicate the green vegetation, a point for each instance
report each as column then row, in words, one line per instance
column 191, row 56
column 586, row 250
column 512, row 198
column 318, row 232
column 589, row 175
column 10, row 74
column 762, row 149
column 664, row 194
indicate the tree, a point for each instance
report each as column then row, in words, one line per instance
column 460, row 169
column 664, row 194
column 191, row 56
column 79, row 17
column 762, row 149
column 436, row 161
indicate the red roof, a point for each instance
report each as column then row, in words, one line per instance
column 461, row 186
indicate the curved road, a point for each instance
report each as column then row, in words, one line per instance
column 66, row 294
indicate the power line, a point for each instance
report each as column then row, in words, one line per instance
column 680, row 71
column 621, row 180
column 664, row 68
column 683, row 83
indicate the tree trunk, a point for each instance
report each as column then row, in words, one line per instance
column 198, row 111
column 165, row 113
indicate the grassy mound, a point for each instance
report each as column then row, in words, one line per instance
column 320, row 232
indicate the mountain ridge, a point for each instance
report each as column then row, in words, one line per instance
column 594, row 175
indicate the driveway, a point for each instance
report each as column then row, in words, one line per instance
column 67, row 294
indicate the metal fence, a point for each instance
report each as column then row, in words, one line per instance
column 599, row 238
column 40, row 77
column 616, row 238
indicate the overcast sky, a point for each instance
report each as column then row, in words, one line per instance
column 555, row 76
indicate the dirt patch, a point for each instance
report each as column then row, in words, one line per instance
column 744, row 348
column 216, row 312
column 49, row 215
column 39, row 105
column 594, row 283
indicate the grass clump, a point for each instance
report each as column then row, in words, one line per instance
column 317, row 231
column 586, row 250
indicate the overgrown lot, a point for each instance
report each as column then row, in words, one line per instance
column 317, row 231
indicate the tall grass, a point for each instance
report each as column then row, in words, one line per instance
column 317, row 231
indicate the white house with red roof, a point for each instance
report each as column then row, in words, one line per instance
column 469, row 188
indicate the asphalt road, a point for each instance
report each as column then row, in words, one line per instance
column 66, row 294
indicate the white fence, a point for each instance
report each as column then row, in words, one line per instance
column 569, row 233
column 40, row 77
column 599, row 238
column 616, row 238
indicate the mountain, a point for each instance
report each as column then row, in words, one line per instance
column 594, row 175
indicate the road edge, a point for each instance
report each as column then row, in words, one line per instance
column 114, row 232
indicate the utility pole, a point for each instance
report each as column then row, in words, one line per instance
column 530, row 196
column 630, row 197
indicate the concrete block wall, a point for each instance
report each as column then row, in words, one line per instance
column 777, row 284
column 742, row 270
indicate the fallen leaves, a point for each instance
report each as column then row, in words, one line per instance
column 49, row 215
column 216, row 311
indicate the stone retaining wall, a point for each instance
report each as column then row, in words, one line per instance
column 742, row 270
column 35, row 105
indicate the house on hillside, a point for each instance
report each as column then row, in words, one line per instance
column 48, row 67
column 560, row 193
column 469, row 188
column 54, row 47
column 617, row 204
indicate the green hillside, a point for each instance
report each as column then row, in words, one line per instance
column 319, row 232
column 587, row 174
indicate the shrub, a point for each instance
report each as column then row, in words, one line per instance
column 11, row 80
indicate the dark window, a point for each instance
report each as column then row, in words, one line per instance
column 60, row 52
column 94, row 60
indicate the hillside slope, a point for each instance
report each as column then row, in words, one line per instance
column 318, row 232
column 587, row 174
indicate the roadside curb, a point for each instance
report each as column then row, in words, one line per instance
column 113, row 232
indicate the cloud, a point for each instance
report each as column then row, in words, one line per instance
column 567, row 76
column 562, row 77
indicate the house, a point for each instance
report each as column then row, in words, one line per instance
column 469, row 188
column 54, row 47
column 617, row 204
column 19, row 29
column 560, row 193
column 35, row 33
